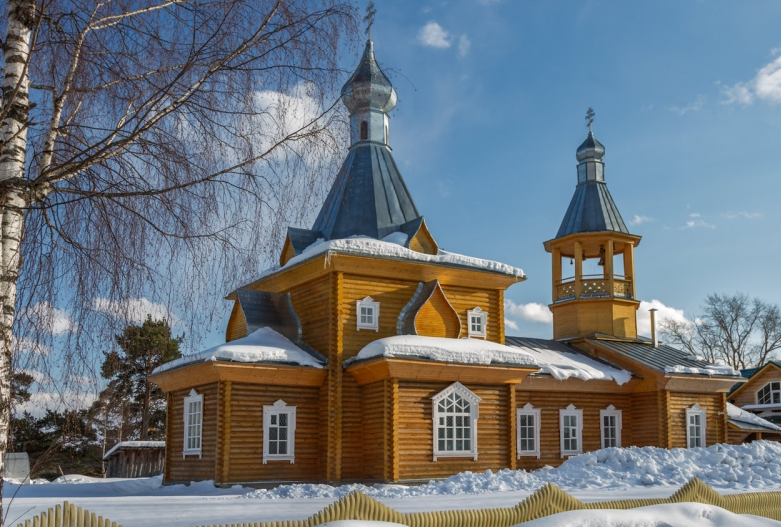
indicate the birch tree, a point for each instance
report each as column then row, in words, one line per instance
column 153, row 149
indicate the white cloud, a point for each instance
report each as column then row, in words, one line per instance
column 510, row 324
column 765, row 86
column 742, row 214
column 463, row 45
column 41, row 401
column 695, row 215
column 698, row 224
column 697, row 105
column 664, row 313
column 434, row 35
column 640, row 219
column 134, row 309
column 27, row 345
column 51, row 319
column 532, row 311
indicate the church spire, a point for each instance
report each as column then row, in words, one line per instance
column 369, row 95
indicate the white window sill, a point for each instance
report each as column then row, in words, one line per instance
column 567, row 454
column 455, row 454
column 528, row 454
column 266, row 459
column 186, row 453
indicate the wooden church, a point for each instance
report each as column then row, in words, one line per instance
column 370, row 354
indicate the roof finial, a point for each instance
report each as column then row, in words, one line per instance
column 369, row 19
column 590, row 117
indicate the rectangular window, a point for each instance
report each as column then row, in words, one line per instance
column 367, row 314
column 695, row 426
column 193, row 423
column 279, row 429
column 477, row 320
column 610, row 424
column 570, row 425
column 528, row 432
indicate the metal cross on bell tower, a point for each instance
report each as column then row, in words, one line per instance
column 590, row 117
column 369, row 19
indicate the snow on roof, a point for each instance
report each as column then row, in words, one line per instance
column 134, row 444
column 711, row 369
column 460, row 351
column 562, row 362
column 738, row 414
column 392, row 246
column 263, row 345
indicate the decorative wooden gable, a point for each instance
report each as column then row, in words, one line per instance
column 422, row 241
column 429, row 314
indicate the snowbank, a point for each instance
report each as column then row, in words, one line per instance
column 751, row 466
column 461, row 351
column 263, row 345
column 562, row 365
column 670, row 515
column 713, row 369
column 387, row 248
column 738, row 414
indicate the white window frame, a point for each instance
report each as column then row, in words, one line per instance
column 571, row 411
column 695, row 410
column 772, row 391
column 367, row 302
column 528, row 410
column 610, row 411
column 193, row 397
column 279, row 408
column 477, row 312
column 474, row 414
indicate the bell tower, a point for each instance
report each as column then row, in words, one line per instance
column 592, row 229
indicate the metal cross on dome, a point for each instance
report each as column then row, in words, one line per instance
column 369, row 18
column 590, row 117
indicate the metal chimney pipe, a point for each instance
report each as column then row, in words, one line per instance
column 653, row 327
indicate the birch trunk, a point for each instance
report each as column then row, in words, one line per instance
column 13, row 150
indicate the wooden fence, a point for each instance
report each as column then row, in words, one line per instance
column 545, row 501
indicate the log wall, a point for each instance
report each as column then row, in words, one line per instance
column 550, row 403
column 191, row 468
column 715, row 417
column 646, row 411
column 748, row 392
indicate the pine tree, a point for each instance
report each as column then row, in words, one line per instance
column 142, row 349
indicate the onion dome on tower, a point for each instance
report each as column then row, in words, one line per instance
column 369, row 196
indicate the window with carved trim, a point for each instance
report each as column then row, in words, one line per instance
column 528, row 432
column 455, row 411
column 279, row 432
column 193, row 423
column 477, row 323
column 571, row 431
column 610, row 426
column 368, row 314
column 695, row 426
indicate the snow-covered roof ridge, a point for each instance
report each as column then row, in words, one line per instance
column 736, row 413
column 133, row 444
column 389, row 247
column 459, row 351
column 263, row 345
column 711, row 369
column 562, row 361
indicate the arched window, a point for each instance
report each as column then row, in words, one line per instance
column 364, row 130
column 455, row 422
column 770, row 394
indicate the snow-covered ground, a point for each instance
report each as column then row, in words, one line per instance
column 608, row 474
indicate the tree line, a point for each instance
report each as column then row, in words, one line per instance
column 74, row 441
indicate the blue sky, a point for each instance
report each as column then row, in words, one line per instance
column 492, row 98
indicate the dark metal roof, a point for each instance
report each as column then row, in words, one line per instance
column 273, row 310
column 657, row 358
column 592, row 209
column 552, row 345
column 369, row 197
column 590, row 149
column 302, row 238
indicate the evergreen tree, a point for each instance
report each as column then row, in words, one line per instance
column 141, row 349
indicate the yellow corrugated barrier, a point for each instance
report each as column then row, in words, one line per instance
column 548, row 499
